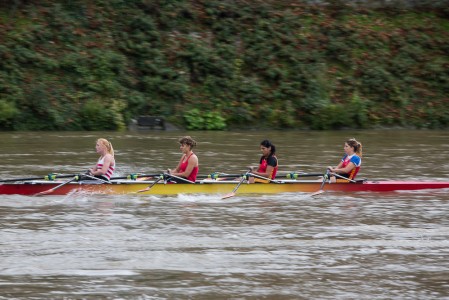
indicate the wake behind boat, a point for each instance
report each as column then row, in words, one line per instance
column 208, row 185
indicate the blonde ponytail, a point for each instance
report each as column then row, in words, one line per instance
column 107, row 144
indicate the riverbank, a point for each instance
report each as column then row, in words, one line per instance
column 221, row 65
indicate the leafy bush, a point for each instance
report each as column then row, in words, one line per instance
column 8, row 112
column 209, row 120
column 333, row 116
column 98, row 116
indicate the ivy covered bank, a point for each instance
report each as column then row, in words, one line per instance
column 215, row 64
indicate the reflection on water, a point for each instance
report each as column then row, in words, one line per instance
column 290, row 246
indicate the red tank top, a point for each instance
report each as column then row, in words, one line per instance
column 264, row 164
column 354, row 171
column 183, row 167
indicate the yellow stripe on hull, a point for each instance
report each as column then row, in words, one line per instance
column 171, row 189
column 203, row 188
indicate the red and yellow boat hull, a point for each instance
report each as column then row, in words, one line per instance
column 213, row 187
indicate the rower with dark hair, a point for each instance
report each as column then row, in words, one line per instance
column 268, row 164
column 188, row 164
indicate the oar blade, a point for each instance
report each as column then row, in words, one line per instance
column 320, row 191
column 230, row 195
column 46, row 192
column 143, row 190
column 150, row 186
column 317, row 193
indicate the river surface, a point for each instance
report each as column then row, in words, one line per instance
column 286, row 246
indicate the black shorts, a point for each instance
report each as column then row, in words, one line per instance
column 343, row 175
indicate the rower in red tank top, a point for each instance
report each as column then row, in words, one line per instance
column 188, row 166
column 268, row 165
column 350, row 164
column 183, row 167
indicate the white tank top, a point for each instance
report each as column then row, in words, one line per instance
column 110, row 170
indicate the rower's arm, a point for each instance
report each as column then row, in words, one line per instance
column 267, row 173
column 345, row 170
column 193, row 161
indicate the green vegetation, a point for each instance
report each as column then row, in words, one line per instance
column 213, row 65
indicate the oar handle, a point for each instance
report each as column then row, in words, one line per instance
column 166, row 175
column 94, row 178
column 342, row 177
column 263, row 178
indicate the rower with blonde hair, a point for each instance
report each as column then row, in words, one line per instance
column 350, row 164
column 104, row 169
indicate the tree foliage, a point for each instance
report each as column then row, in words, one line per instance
column 212, row 65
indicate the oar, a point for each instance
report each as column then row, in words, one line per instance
column 151, row 185
column 166, row 175
column 342, row 177
column 95, row 178
column 56, row 187
column 264, row 178
column 232, row 194
column 295, row 175
column 325, row 177
column 47, row 177
column 135, row 176
column 219, row 175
